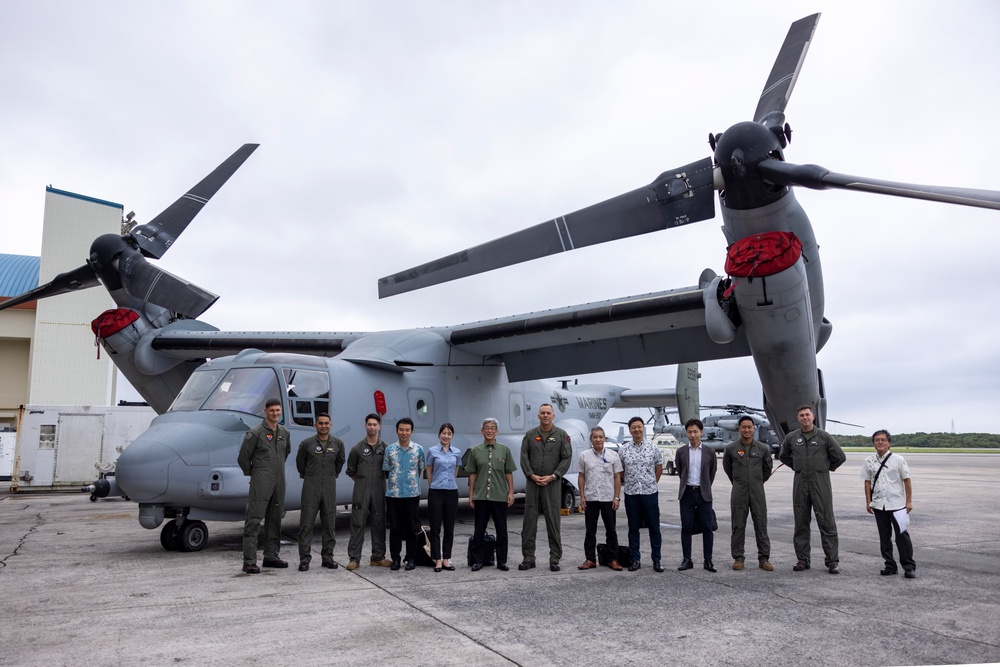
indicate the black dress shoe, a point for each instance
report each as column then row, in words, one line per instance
column 330, row 563
column 251, row 568
column 910, row 574
column 304, row 566
column 450, row 568
column 657, row 567
column 275, row 562
column 633, row 566
column 502, row 567
column 409, row 564
column 709, row 566
column 686, row 564
column 885, row 571
column 395, row 564
column 554, row 566
column 476, row 567
column 437, row 568
column 526, row 565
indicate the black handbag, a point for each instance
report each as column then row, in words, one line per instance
column 698, row 528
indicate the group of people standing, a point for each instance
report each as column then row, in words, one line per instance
column 387, row 486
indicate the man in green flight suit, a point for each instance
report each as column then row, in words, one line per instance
column 546, row 454
column 747, row 463
column 319, row 461
column 364, row 466
column 262, row 459
column 813, row 454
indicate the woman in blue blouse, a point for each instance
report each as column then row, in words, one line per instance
column 442, row 497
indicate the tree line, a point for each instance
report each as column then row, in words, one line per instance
column 946, row 440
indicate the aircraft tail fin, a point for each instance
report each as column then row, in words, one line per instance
column 688, row 395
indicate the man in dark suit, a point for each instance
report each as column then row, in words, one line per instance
column 696, row 468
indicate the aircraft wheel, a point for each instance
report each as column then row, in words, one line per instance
column 568, row 499
column 168, row 536
column 93, row 498
column 193, row 536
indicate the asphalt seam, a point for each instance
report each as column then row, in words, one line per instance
column 435, row 618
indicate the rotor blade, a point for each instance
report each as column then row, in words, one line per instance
column 781, row 81
column 675, row 198
column 844, row 423
column 156, row 236
column 819, row 178
column 71, row 281
column 154, row 285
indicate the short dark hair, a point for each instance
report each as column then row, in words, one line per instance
column 374, row 415
column 323, row 414
column 746, row 418
column 882, row 431
column 694, row 422
column 805, row 406
column 272, row 401
column 444, row 426
column 404, row 420
column 636, row 419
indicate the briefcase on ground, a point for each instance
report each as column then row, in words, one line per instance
column 489, row 549
column 605, row 555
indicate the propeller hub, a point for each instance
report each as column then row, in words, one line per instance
column 738, row 151
column 104, row 252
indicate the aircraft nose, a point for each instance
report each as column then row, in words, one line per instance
column 143, row 469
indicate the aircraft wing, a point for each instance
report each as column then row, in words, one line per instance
column 656, row 329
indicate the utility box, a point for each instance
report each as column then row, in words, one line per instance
column 66, row 447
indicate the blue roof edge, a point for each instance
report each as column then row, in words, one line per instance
column 93, row 200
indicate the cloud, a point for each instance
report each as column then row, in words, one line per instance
column 396, row 133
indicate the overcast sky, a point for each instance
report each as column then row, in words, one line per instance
column 393, row 133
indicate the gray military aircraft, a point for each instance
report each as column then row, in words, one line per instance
column 209, row 386
column 770, row 307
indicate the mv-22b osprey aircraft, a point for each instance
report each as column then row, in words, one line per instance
column 209, row 386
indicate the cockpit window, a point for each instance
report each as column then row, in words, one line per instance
column 308, row 394
column 196, row 389
column 244, row 390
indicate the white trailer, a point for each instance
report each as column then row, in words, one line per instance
column 63, row 447
column 8, row 439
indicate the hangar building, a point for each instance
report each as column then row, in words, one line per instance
column 47, row 349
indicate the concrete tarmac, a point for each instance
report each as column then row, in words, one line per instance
column 83, row 584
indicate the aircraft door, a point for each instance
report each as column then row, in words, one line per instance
column 516, row 411
column 421, row 408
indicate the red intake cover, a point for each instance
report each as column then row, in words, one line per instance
column 763, row 254
column 111, row 322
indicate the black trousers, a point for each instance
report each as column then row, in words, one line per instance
column 404, row 524
column 442, row 505
column 692, row 503
column 604, row 510
column 886, row 527
column 485, row 510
